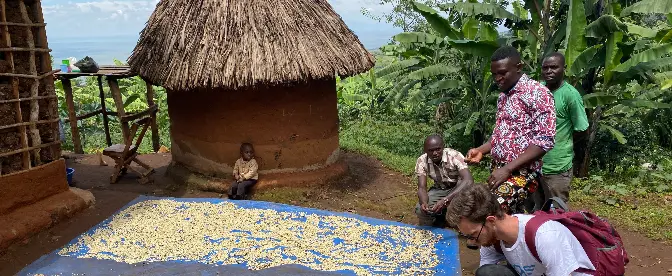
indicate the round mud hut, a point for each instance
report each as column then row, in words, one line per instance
column 254, row 71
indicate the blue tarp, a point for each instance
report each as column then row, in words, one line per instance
column 80, row 262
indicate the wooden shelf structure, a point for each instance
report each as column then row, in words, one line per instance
column 111, row 74
column 32, row 32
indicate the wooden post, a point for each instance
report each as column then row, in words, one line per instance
column 119, row 103
column 67, row 87
column 45, row 66
column 45, row 59
column 155, row 129
column 34, row 104
column 106, row 123
column 15, row 88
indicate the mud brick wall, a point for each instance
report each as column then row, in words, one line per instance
column 10, row 138
column 293, row 128
column 30, row 186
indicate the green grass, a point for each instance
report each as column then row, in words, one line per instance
column 397, row 145
column 400, row 163
column 649, row 215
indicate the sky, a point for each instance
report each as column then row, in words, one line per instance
column 78, row 21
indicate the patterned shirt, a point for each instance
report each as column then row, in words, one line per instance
column 445, row 174
column 525, row 116
column 246, row 169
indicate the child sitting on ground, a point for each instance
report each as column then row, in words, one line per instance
column 244, row 172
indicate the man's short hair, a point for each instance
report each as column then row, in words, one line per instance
column 558, row 55
column 475, row 203
column 505, row 52
column 434, row 136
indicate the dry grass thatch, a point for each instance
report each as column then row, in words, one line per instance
column 232, row 44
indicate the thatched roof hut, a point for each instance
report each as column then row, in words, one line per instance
column 189, row 44
column 250, row 71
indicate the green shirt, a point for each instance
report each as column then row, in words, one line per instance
column 570, row 117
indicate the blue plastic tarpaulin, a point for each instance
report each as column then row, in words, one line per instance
column 303, row 241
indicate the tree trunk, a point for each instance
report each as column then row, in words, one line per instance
column 439, row 118
column 585, row 165
column 582, row 146
column 478, row 137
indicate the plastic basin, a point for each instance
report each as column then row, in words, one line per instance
column 69, row 172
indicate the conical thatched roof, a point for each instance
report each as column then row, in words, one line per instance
column 231, row 44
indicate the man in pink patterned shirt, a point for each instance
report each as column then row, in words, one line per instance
column 524, row 131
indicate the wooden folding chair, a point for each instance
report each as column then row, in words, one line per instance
column 125, row 154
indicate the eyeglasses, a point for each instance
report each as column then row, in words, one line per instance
column 470, row 237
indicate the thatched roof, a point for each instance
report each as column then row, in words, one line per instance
column 189, row 44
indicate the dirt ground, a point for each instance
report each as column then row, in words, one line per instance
column 369, row 189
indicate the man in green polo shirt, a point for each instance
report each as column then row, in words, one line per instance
column 570, row 118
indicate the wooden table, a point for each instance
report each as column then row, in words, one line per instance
column 111, row 74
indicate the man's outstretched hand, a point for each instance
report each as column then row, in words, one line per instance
column 474, row 156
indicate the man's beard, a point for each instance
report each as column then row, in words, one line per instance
column 490, row 242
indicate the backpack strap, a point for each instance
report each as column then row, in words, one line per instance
column 558, row 203
column 498, row 247
column 531, row 233
column 534, row 223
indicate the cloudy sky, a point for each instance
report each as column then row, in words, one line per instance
column 78, row 19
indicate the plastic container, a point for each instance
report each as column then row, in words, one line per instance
column 71, row 64
column 69, row 172
column 64, row 68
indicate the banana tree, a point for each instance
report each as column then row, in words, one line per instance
column 536, row 26
column 621, row 52
column 450, row 69
column 423, row 59
column 658, row 121
column 362, row 92
column 401, row 14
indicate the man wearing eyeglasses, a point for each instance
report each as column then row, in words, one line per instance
column 480, row 218
column 446, row 167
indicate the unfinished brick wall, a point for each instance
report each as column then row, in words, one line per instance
column 28, row 103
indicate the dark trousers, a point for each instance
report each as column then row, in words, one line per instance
column 241, row 188
column 496, row 270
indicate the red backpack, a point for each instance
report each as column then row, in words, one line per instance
column 599, row 239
